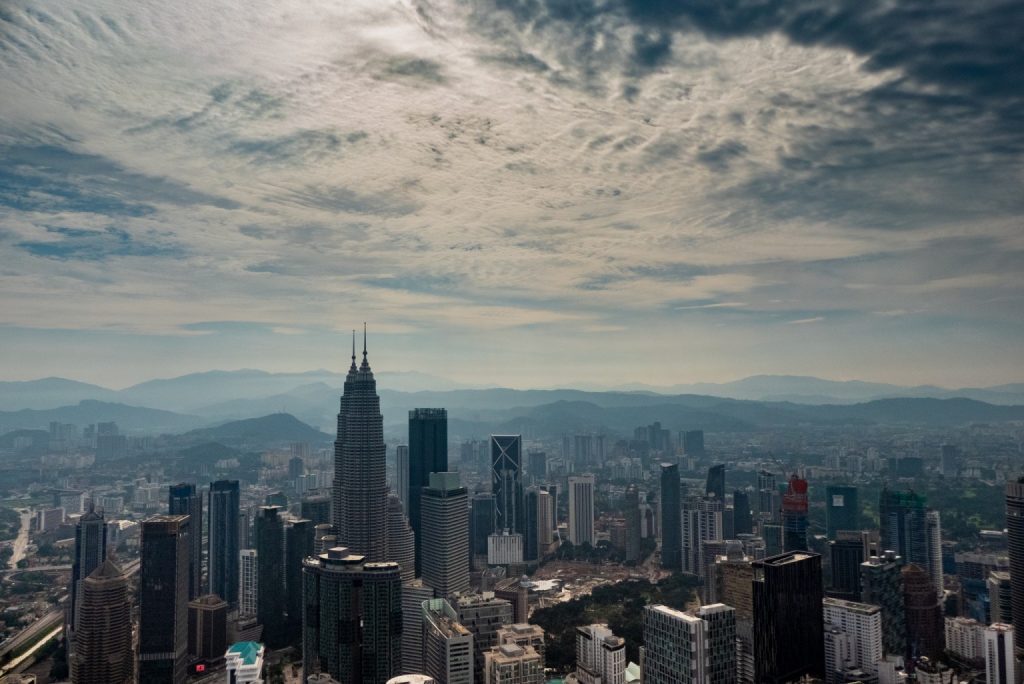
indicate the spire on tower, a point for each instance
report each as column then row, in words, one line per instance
column 353, row 367
column 366, row 364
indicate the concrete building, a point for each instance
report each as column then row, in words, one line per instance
column 245, row 661
column 504, row 548
column 103, row 640
column 581, row 510
column 600, row 656
column 248, row 582
column 681, row 648
column 483, row 615
column 413, row 595
column 163, row 599
column 207, row 628
column 511, row 664
column 523, row 634
column 861, row 623
column 1000, row 665
column 444, row 532
column 447, row 644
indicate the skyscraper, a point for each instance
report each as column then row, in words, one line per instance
column 507, row 483
column 447, row 644
column 402, row 474
column 788, row 628
column 298, row 545
column 103, row 651
column 207, row 628
column 316, row 508
column 882, row 585
column 1015, row 544
column 401, row 542
column 445, row 535
column 632, row 506
column 912, row 531
column 715, row 485
column 249, row 578
column 600, row 655
column 926, row 634
column 701, row 521
column 531, row 539
column 352, row 618
column 794, row 515
column 90, row 552
column 743, row 522
column 846, row 555
column 271, row 600
column 842, row 509
column 482, row 522
column 360, row 469
column 681, row 648
column 223, row 509
column 693, row 443
column 428, row 453
column 182, row 499
column 483, row 615
column 1000, row 665
column 545, row 522
column 861, row 625
column 581, row 510
column 767, row 493
column 163, row 599
column 671, row 518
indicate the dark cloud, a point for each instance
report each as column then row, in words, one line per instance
column 347, row 200
column 412, row 70
column 719, row 157
column 99, row 245
column 304, row 145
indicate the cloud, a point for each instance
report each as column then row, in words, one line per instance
column 92, row 245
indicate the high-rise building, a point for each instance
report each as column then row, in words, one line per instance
column 428, row 453
column 681, row 648
column 600, row 656
column 414, row 593
column 511, row 663
column 715, row 485
column 483, row 615
column 1000, row 596
column 223, row 539
column 163, row 599
column 912, row 531
column 360, row 466
column 545, row 522
column 861, row 623
column 671, row 518
column 926, row 634
column 788, row 627
column 842, row 509
column 481, row 522
column 1000, row 665
column 794, row 515
column 249, row 582
column 445, row 534
column 402, row 474
column 1015, row 545
column 298, row 545
column 504, row 548
column 401, row 541
column 882, row 585
column 743, row 521
column 632, row 506
column 701, row 522
column 352, row 617
column 507, row 483
column 735, row 576
column 846, row 553
column 90, row 552
column 207, row 628
column 767, row 493
column 950, row 461
column 103, row 652
column 531, row 539
column 447, row 644
column 965, row 638
column 271, row 602
column 581, row 510
column 537, row 465
column 316, row 508
column 184, row 500
column 693, row 443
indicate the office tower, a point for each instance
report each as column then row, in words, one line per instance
column 1000, row 597
column 276, row 499
column 248, row 589
column 414, row 593
column 965, row 638
column 482, row 522
column 1015, row 545
column 316, row 508
column 483, row 615
column 184, row 500
column 861, row 624
column 537, row 466
column 447, row 644
column 973, row 571
column 950, row 461
column 223, row 509
column 882, row 585
column 583, row 452
column 735, row 576
column 298, row 545
column 428, row 453
column 693, row 443
column 271, row 602
column 633, row 535
column 511, row 663
column 768, row 502
column 842, row 509
column 846, row 555
column 360, row 466
column 545, row 522
column 701, row 521
column 743, row 521
column 352, row 617
column 912, row 531
column 90, row 552
column 680, row 648
column 245, row 538
column 1000, row 665
column 773, row 536
column 207, row 628
column 401, row 541
column 926, row 634
column 794, row 515
column 402, row 474
column 671, row 518
column 581, row 510
column 103, row 652
column 163, row 599
column 600, row 656
column 296, row 468
column 504, row 548
column 715, row 485
column 244, row 662
column 507, row 483
column 531, row 537
column 788, row 628
column 445, row 535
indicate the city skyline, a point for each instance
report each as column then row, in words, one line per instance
column 527, row 190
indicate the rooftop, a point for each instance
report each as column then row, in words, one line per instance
column 248, row 652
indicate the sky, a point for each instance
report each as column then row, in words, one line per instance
column 518, row 192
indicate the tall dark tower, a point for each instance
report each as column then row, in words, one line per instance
column 90, row 552
column 428, row 453
column 360, row 473
column 223, row 508
column 671, row 518
column 632, row 523
column 715, row 485
column 842, row 509
column 183, row 500
column 788, row 629
column 1015, row 542
column 743, row 520
column 298, row 545
column 163, row 600
column 270, row 597
column 103, row 643
column 794, row 515
column 507, row 483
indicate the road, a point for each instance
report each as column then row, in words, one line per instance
column 20, row 545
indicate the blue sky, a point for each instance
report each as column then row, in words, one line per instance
column 523, row 192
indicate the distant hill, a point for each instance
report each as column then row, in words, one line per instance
column 277, row 428
column 49, row 393
column 128, row 418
